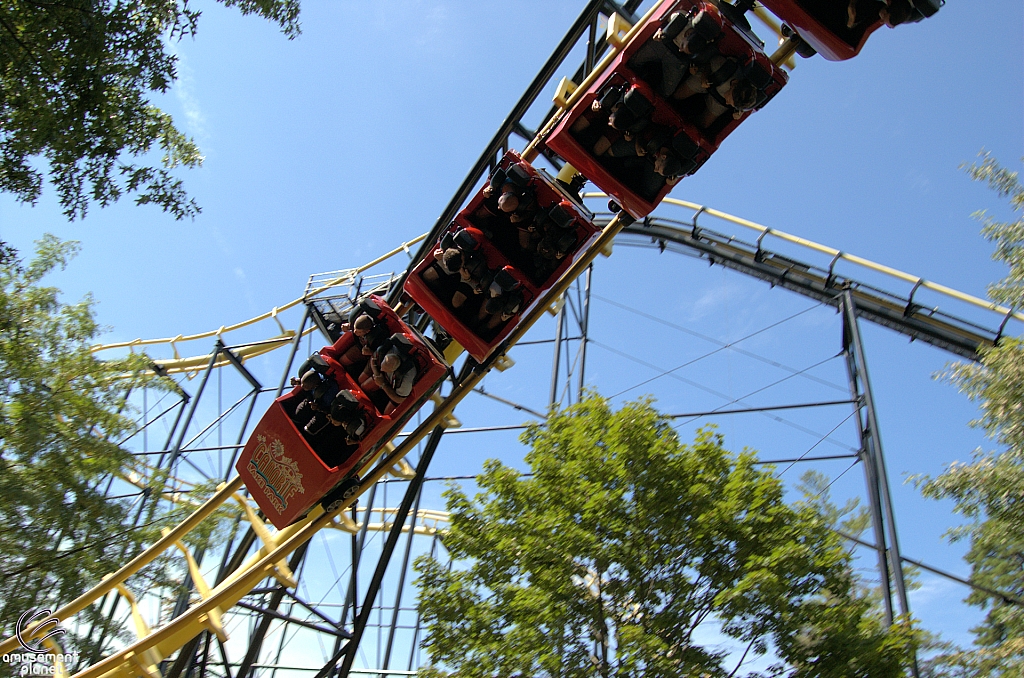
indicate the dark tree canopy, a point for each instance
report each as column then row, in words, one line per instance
column 627, row 549
column 75, row 80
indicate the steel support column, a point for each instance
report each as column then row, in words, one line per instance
column 185, row 661
column 176, row 449
column 886, row 540
column 401, row 581
column 872, row 441
column 257, row 636
column 347, row 654
column 584, row 327
column 555, row 368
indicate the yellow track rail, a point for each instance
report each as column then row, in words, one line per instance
column 142, row 656
column 139, row 658
column 172, row 341
column 839, row 255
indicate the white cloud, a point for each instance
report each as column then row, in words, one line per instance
column 184, row 92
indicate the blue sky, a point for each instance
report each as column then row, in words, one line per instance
column 325, row 151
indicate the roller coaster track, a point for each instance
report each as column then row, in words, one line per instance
column 932, row 325
column 903, row 312
column 142, row 657
column 899, row 312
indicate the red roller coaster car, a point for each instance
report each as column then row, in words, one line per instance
column 824, row 24
column 288, row 472
column 678, row 106
column 523, row 247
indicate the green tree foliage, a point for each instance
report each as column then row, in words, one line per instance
column 75, row 80
column 62, row 413
column 627, row 551
column 989, row 491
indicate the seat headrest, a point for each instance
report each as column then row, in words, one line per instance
column 400, row 340
column 518, row 175
column 561, row 216
column 447, row 240
column 725, row 72
column 609, row 96
column 370, row 307
column 367, row 306
column 673, row 166
column 497, row 178
column 346, row 400
column 565, row 242
column 758, row 75
column 465, row 240
column 505, row 280
column 637, row 103
column 684, row 146
column 706, row 25
column 676, row 24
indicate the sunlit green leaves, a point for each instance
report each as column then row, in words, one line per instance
column 75, row 81
column 989, row 490
column 627, row 549
column 62, row 413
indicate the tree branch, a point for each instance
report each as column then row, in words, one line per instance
column 743, row 658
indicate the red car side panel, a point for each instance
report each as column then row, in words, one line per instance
column 285, row 475
column 448, row 317
column 826, row 42
column 733, row 43
column 282, row 473
column 547, row 195
column 440, row 310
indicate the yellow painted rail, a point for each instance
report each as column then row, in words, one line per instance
column 839, row 255
column 272, row 314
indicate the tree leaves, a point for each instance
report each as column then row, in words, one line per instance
column 75, row 76
column 627, row 548
column 61, row 413
column 989, row 491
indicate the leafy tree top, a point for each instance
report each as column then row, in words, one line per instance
column 626, row 548
column 989, row 490
column 75, row 80
column 62, row 413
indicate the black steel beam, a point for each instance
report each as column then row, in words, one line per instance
column 233, row 359
column 957, row 336
column 292, row 620
column 260, row 632
column 347, row 654
column 500, row 138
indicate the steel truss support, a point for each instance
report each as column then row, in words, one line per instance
column 187, row 656
column 575, row 307
column 346, row 654
column 173, row 452
column 883, row 517
column 902, row 314
column 568, row 377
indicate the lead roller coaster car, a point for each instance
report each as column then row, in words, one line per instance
column 288, row 470
column 668, row 100
column 517, row 236
column 825, row 24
